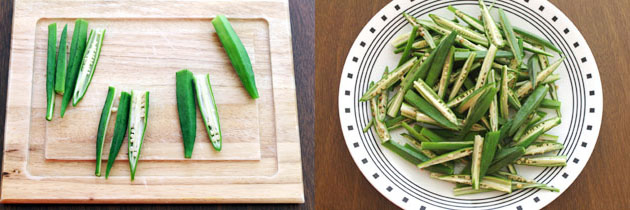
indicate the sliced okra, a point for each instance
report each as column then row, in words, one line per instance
column 62, row 61
column 138, row 116
column 446, row 74
column 208, row 109
column 88, row 64
column 544, row 161
column 542, row 148
column 447, row 157
column 448, row 146
column 515, row 177
column 423, row 31
column 407, row 52
column 533, row 133
column 486, row 66
column 490, row 27
column 493, row 111
column 504, row 93
column 476, row 162
column 186, row 109
column 468, row 190
column 520, row 185
column 490, row 143
column 50, row 70
column 102, row 127
column 460, row 56
column 393, row 77
column 547, row 138
column 488, row 182
column 471, row 21
column 480, row 108
column 511, row 37
column 527, row 87
column 465, row 32
column 459, row 39
column 505, row 157
column 463, row 75
column 530, row 105
column 77, row 48
column 550, row 104
column 428, row 94
column 120, row 129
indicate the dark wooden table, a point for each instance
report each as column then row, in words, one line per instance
column 303, row 22
column 604, row 182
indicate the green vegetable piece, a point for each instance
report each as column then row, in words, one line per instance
column 447, row 157
column 439, row 58
column 463, row 75
column 186, row 109
column 208, row 109
column 443, row 169
column 428, row 94
column 491, row 29
column 531, row 104
column 475, row 169
column 60, row 76
column 407, row 51
column 489, row 149
column 511, row 38
column 493, row 111
column 423, row 31
column 449, row 146
column 533, row 133
column 470, row 20
column 542, row 148
column 468, row 190
column 120, row 129
column 102, row 127
column 480, row 108
column 77, row 48
column 396, row 122
column 467, row 33
column 534, row 68
column 504, row 157
column 460, row 56
column 535, row 39
column 88, row 64
column 550, row 104
column 385, row 83
column 415, row 134
column 138, row 116
column 526, row 88
column 446, row 74
column 434, row 137
column 520, row 185
column 543, row 161
column 486, row 66
column 504, row 93
column 237, row 54
column 458, row 39
column 488, row 182
column 50, row 71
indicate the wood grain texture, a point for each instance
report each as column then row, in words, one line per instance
column 602, row 184
column 147, row 42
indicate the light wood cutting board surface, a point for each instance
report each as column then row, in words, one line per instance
column 145, row 44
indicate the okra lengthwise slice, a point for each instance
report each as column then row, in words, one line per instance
column 62, row 61
column 50, row 71
column 237, row 54
column 102, row 127
column 138, row 116
column 208, row 109
column 88, row 65
column 77, row 48
column 120, row 129
column 186, row 109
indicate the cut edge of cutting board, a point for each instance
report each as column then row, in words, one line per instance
column 18, row 186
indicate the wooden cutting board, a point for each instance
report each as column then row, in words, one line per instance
column 145, row 44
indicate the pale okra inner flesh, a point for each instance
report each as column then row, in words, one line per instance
column 208, row 110
column 136, row 128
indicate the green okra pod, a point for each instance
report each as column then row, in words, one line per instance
column 543, row 161
column 466, row 33
column 550, row 104
column 480, row 108
column 62, row 61
column 88, row 64
column 120, row 129
column 542, row 148
column 391, row 79
column 448, row 146
column 491, row 29
column 511, row 38
column 208, row 109
column 504, row 157
column 447, row 157
column 406, row 53
column 530, row 105
column 460, row 56
column 440, row 56
column 430, row 96
column 50, row 70
column 138, row 118
column 237, row 54
column 533, row 133
column 77, row 48
column 102, row 127
column 446, row 74
column 475, row 170
column 415, row 157
column 186, row 109
column 520, row 185
column 489, row 149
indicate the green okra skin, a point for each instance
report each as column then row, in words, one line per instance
column 514, row 177
column 50, row 70
column 460, row 56
column 430, row 96
column 543, row 161
column 429, row 134
column 208, row 109
column 440, row 168
column 488, row 182
column 447, row 157
column 62, row 61
column 385, row 83
column 422, row 31
column 120, row 129
column 493, row 111
column 469, row 99
column 504, row 157
column 511, row 38
column 415, row 134
column 406, row 53
column 480, row 109
column 468, row 190
column 533, row 133
column 521, row 185
column 530, row 105
column 448, row 146
column 446, row 74
column 440, row 57
column 550, row 104
column 186, row 109
column 475, row 170
column 102, row 127
column 471, row 21
column 504, row 93
column 459, row 39
column 138, row 119
column 491, row 29
column 237, row 54
column 467, row 33
column 535, row 39
column 463, row 75
column 489, row 149
column 77, row 48
column 534, row 68
column 396, row 122
column 88, row 64
column 526, row 88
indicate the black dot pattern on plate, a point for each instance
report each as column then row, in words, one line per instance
column 575, row 160
column 576, row 44
column 541, row 8
column 355, row 59
column 364, row 161
column 519, row 208
column 347, row 92
column 347, row 110
column 350, row 75
column 565, row 175
column 584, row 144
column 384, row 18
column 356, row 144
column 555, row 18
column 592, row 92
column 536, row 199
column 584, row 60
column 589, row 76
column 362, row 44
column 389, row 188
column 589, row 127
column 591, row 110
column 423, row 208
column 397, row 7
column 375, row 175
column 405, row 199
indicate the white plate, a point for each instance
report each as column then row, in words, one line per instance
column 408, row 187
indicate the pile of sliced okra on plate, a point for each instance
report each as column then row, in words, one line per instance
column 471, row 94
column 71, row 77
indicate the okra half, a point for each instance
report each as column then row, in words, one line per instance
column 102, row 127
column 77, row 48
column 88, row 65
column 138, row 116
column 120, row 129
column 237, row 54
column 50, row 70
column 186, row 109
column 208, row 109
column 62, row 61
